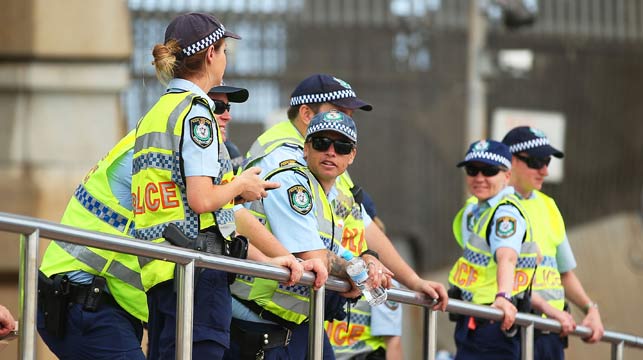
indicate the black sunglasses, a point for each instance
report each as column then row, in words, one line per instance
column 534, row 163
column 322, row 143
column 486, row 171
column 220, row 107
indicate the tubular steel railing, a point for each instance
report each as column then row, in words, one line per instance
column 32, row 229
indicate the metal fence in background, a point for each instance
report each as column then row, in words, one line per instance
column 31, row 230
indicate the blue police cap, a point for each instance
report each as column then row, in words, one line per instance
column 530, row 140
column 335, row 121
column 489, row 152
column 321, row 88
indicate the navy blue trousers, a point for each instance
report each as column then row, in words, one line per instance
column 212, row 315
column 486, row 342
column 108, row 333
column 549, row 347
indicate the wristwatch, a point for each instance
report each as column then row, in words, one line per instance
column 589, row 305
column 505, row 295
column 371, row 253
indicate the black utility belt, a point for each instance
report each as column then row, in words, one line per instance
column 209, row 241
column 55, row 293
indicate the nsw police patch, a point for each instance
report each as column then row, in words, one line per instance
column 300, row 199
column 470, row 220
column 505, row 227
column 201, row 131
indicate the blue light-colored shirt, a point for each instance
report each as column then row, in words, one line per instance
column 119, row 176
column 291, row 152
column 386, row 319
column 513, row 241
column 197, row 161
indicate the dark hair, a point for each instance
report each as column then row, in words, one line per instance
column 293, row 111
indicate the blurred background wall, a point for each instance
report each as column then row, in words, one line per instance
column 76, row 75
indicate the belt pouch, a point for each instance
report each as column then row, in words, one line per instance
column 94, row 294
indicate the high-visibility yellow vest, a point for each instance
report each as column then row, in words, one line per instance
column 158, row 185
column 278, row 135
column 288, row 302
column 94, row 207
column 355, row 338
column 475, row 272
column 549, row 233
column 457, row 222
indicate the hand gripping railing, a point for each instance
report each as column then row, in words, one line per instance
column 31, row 229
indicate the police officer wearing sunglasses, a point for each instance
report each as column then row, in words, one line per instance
column 555, row 278
column 499, row 255
column 299, row 214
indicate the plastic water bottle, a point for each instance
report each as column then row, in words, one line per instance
column 358, row 271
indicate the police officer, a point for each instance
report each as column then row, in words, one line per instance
column 283, row 143
column 555, row 278
column 499, row 254
column 182, row 176
column 300, row 216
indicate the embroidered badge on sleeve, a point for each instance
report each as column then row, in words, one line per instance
column 300, row 199
column 201, row 131
column 505, row 227
column 288, row 162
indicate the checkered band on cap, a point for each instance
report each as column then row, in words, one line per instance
column 205, row 42
column 472, row 156
column 530, row 144
column 334, row 126
column 322, row 98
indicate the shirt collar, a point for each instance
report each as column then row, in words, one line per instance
column 177, row 85
column 496, row 199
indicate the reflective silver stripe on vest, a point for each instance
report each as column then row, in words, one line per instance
column 159, row 139
column 551, row 294
column 258, row 151
column 224, row 216
column 97, row 262
column 242, row 290
column 527, row 262
column 102, row 211
column 479, row 243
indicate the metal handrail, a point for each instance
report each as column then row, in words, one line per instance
column 32, row 229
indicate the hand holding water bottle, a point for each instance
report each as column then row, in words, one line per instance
column 358, row 272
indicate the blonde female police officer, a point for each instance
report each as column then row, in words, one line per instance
column 499, row 255
column 182, row 175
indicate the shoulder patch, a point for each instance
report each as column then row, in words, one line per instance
column 505, row 227
column 288, row 162
column 300, row 199
column 201, row 131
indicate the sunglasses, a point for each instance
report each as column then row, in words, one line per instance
column 220, row 107
column 534, row 163
column 487, row 171
column 323, row 143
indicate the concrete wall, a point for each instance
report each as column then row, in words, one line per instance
column 64, row 66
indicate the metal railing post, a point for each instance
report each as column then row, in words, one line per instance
column 527, row 341
column 184, row 310
column 28, row 282
column 430, row 334
column 617, row 350
column 316, row 325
